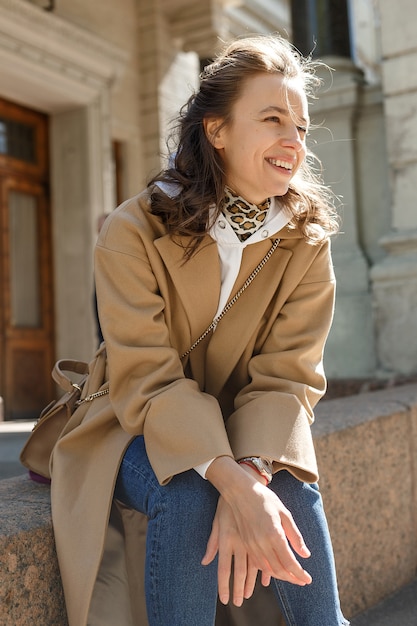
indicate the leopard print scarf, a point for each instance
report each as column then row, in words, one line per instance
column 245, row 218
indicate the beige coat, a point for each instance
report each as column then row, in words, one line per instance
column 249, row 389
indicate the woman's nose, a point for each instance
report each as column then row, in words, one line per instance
column 294, row 139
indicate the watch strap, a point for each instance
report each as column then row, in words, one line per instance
column 262, row 466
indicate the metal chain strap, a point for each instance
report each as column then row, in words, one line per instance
column 93, row 396
column 235, row 298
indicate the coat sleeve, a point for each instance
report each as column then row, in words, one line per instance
column 150, row 394
column 274, row 411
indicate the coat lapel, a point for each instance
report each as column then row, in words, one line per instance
column 231, row 337
column 197, row 281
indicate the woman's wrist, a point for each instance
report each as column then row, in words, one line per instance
column 263, row 478
column 230, row 478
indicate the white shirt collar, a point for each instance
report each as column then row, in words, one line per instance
column 221, row 231
column 278, row 217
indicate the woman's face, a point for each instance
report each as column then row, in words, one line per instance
column 264, row 144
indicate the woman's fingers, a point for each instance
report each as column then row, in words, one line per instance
column 284, row 566
column 265, row 579
column 231, row 551
column 293, row 535
column 243, row 575
column 281, row 562
column 251, row 580
column 240, row 572
column 223, row 574
column 236, row 572
column 212, row 545
column 268, row 536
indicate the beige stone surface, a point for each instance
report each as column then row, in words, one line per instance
column 366, row 447
column 30, row 587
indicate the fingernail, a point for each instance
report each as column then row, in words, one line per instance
column 306, row 551
column 224, row 599
column 238, row 601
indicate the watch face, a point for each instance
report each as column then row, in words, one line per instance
column 259, row 464
column 262, row 466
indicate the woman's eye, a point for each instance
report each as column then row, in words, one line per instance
column 273, row 118
column 302, row 130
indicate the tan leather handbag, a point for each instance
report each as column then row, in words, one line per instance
column 91, row 384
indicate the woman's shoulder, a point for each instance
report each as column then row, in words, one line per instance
column 136, row 209
column 132, row 218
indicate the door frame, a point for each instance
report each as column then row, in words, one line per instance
column 27, row 178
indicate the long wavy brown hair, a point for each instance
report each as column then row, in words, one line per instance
column 196, row 169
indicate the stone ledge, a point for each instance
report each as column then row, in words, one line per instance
column 348, row 412
column 366, row 447
column 30, row 585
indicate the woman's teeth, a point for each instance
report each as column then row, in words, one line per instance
column 277, row 163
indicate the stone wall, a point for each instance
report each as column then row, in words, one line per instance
column 117, row 23
column 395, row 277
column 30, row 586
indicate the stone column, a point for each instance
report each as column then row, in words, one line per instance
column 350, row 350
column 82, row 189
column 395, row 277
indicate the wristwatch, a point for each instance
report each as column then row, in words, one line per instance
column 262, row 466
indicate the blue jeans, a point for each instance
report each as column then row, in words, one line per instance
column 179, row 590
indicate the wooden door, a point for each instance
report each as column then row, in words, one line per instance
column 26, row 312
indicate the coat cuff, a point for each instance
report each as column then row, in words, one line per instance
column 290, row 447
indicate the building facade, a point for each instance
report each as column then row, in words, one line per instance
column 87, row 92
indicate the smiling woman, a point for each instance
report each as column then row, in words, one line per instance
column 255, row 98
column 263, row 146
column 212, row 442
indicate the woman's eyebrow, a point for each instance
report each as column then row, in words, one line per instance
column 272, row 108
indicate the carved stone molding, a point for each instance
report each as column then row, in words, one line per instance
column 202, row 26
column 50, row 62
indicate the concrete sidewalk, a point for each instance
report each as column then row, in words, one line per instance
column 13, row 436
column 399, row 609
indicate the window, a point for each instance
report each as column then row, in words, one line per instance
column 17, row 140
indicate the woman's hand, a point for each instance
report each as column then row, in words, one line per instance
column 251, row 519
column 225, row 539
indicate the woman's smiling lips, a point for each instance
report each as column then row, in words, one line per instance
column 286, row 165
